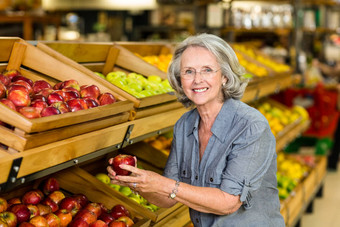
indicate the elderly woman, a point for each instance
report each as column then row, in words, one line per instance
column 222, row 163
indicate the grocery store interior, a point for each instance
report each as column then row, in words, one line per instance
column 290, row 50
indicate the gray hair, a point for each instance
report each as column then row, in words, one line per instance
column 227, row 59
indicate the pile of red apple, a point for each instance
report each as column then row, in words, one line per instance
column 50, row 206
column 39, row 98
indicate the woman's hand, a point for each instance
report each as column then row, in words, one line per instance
column 140, row 180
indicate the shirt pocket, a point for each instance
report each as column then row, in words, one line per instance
column 185, row 173
column 213, row 179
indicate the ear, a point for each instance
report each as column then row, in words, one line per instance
column 224, row 79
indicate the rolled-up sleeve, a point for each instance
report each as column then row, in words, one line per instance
column 251, row 156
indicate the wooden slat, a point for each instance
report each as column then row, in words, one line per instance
column 6, row 47
column 156, row 109
column 68, row 149
column 17, row 55
column 110, row 60
column 128, row 60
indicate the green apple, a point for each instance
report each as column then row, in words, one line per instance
column 136, row 86
column 125, row 190
column 100, row 74
column 132, row 75
column 136, row 197
column 154, row 78
column 146, row 93
column 119, row 82
column 114, row 186
column 103, row 178
column 115, row 74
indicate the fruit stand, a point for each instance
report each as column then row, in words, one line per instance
column 72, row 144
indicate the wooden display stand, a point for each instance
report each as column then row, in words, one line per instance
column 89, row 171
column 37, row 65
column 73, row 183
column 108, row 57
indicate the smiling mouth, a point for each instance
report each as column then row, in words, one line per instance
column 198, row 90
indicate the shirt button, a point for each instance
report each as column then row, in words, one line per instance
column 197, row 220
column 211, row 179
column 196, row 177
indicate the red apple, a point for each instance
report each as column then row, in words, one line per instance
column 57, row 196
column 3, row 204
column 86, row 215
column 57, row 86
column 117, row 223
column 103, row 208
column 21, row 211
column 19, row 77
column 65, row 89
column 44, row 92
column 74, row 105
column 61, row 106
column 5, row 80
column 70, row 204
column 19, row 97
column 39, row 104
column 39, row 85
column 10, row 218
column 95, row 208
column 81, row 199
column 38, row 97
column 54, row 97
column 34, row 210
column 44, row 209
column 16, row 87
column 90, row 91
column 39, row 192
column 78, row 222
column 23, row 83
column 91, row 102
column 49, row 202
column 122, row 159
column 49, row 185
column 30, row 112
column 106, row 217
column 3, row 90
column 119, row 211
column 106, row 98
column 128, row 221
column 48, row 111
column 26, row 224
column 3, row 223
column 64, row 216
column 52, row 220
column 71, row 95
column 61, row 93
column 8, row 103
column 99, row 223
column 14, row 200
column 11, row 73
column 70, row 83
column 31, row 197
column 83, row 103
column 39, row 221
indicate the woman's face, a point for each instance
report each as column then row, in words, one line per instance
column 201, row 88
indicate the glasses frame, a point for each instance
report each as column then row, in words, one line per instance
column 205, row 75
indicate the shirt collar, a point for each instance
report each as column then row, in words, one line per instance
column 223, row 120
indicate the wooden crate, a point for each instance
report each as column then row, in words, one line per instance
column 108, row 57
column 90, row 170
column 295, row 203
column 35, row 64
column 149, row 48
column 73, row 183
column 321, row 169
column 309, row 185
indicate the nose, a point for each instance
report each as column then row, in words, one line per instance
column 198, row 77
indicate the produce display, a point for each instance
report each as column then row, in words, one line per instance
column 267, row 61
column 161, row 142
column 161, row 61
column 290, row 172
column 279, row 118
column 48, row 205
column 138, row 85
column 34, row 99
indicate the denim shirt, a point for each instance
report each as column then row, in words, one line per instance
column 240, row 159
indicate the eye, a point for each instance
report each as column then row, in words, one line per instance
column 207, row 70
column 189, row 72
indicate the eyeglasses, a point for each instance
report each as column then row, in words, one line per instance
column 190, row 73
